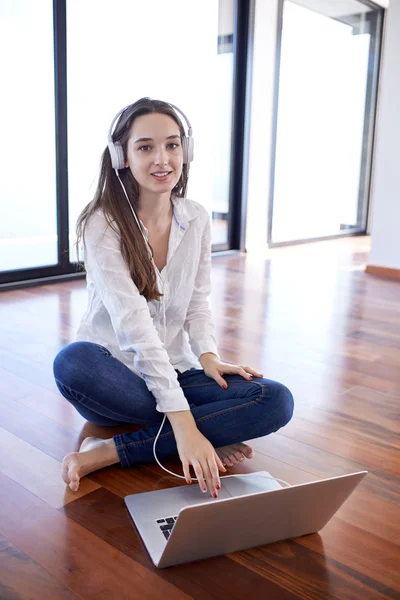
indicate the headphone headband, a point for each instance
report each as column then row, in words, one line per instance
column 116, row 150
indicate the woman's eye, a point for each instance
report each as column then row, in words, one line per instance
column 146, row 148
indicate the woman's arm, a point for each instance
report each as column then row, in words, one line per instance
column 194, row 449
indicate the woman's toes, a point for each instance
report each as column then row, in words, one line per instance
column 66, row 465
column 70, row 472
column 246, row 451
column 73, row 478
column 74, row 486
column 239, row 456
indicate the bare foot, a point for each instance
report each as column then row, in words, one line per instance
column 234, row 453
column 93, row 454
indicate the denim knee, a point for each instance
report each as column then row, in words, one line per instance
column 285, row 406
column 69, row 361
column 278, row 404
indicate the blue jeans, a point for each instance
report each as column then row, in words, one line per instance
column 105, row 392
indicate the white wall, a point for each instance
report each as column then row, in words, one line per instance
column 385, row 193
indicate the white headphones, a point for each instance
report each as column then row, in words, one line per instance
column 117, row 152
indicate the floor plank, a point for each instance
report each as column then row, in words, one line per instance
column 22, row 579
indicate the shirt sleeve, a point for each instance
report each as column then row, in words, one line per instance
column 198, row 323
column 130, row 315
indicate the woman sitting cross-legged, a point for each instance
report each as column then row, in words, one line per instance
column 146, row 347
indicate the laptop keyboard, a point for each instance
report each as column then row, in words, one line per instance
column 166, row 525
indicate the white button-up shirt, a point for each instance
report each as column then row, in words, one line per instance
column 119, row 317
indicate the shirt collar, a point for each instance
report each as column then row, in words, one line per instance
column 184, row 211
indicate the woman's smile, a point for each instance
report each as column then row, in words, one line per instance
column 161, row 175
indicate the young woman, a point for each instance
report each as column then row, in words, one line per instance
column 146, row 345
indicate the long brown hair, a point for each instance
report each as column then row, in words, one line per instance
column 110, row 198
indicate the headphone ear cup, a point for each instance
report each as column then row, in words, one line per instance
column 188, row 149
column 116, row 155
column 120, row 153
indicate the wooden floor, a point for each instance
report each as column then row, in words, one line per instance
column 308, row 316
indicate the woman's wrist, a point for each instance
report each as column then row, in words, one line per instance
column 206, row 356
column 181, row 419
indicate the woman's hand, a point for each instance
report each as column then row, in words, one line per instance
column 214, row 368
column 195, row 449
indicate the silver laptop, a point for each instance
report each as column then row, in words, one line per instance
column 181, row 524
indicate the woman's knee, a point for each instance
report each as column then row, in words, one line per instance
column 287, row 405
column 69, row 362
column 280, row 405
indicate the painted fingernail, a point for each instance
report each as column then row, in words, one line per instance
column 215, row 495
column 204, row 490
column 225, row 387
column 218, row 486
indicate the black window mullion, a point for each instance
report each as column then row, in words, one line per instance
column 60, row 96
column 240, row 48
column 376, row 27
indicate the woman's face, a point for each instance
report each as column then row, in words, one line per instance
column 154, row 153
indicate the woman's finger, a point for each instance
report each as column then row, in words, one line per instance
column 220, row 380
column 220, row 465
column 212, row 465
column 186, row 472
column 252, row 371
column 207, row 474
column 234, row 369
column 199, row 474
column 243, row 373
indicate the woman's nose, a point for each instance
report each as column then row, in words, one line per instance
column 161, row 157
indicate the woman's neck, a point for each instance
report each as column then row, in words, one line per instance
column 155, row 210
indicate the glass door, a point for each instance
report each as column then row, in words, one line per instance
column 325, row 115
